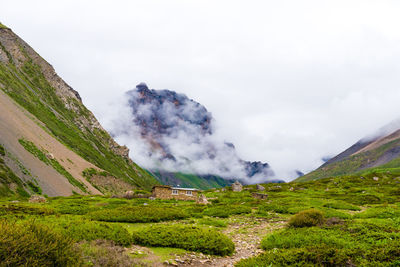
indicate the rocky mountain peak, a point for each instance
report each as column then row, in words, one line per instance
column 179, row 133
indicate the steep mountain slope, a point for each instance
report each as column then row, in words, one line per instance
column 180, row 139
column 382, row 150
column 47, row 131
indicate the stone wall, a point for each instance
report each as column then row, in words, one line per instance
column 165, row 192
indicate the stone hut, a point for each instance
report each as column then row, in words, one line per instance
column 168, row 192
column 237, row 187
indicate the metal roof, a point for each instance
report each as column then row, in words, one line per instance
column 187, row 189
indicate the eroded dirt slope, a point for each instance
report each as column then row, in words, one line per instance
column 17, row 123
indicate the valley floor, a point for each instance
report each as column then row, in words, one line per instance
column 344, row 221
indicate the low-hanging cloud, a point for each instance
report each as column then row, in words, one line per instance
column 170, row 132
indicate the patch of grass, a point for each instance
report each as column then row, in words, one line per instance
column 224, row 211
column 192, row 238
column 10, row 183
column 34, row 150
column 25, row 209
column 341, row 206
column 138, row 214
column 381, row 212
column 213, row 222
column 35, row 188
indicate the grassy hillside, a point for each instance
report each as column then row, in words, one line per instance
column 361, row 162
column 31, row 82
column 10, row 183
column 191, row 180
column 344, row 221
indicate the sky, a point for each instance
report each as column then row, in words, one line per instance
column 288, row 82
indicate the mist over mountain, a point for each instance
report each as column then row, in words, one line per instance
column 168, row 131
column 381, row 149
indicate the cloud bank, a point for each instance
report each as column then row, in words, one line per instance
column 288, row 82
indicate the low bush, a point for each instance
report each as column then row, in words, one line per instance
column 25, row 210
column 224, row 211
column 196, row 210
column 208, row 241
column 381, row 212
column 73, row 206
column 341, row 206
column 307, row 218
column 213, row 222
column 30, row 244
column 296, row 238
column 282, row 209
column 319, row 256
column 88, row 230
column 142, row 214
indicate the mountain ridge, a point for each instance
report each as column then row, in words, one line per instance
column 48, row 102
column 381, row 150
column 179, row 134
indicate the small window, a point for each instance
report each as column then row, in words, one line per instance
column 189, row 193
column 174, row 191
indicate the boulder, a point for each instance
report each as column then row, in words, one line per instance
column 37, row 199
column 259, row 195
column 129, row 195
column 260, row 187
column 237, row 187
column 202, row 200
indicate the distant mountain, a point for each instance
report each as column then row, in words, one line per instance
column 180, row 138
column 380, row 150
column 50, row 143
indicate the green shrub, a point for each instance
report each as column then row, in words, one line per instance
column 380, row 212
column 341, row 206
column 87, row 230
column 25, row 210
column 307, row 218
column 224, row 211
column 192, row 238
column 305, row 237
column 318, row 256
column 35, row 245
column 72, row 206
column 273, row 207
column 196, row 210
column 213, row 222
column 138, row 214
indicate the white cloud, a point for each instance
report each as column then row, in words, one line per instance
column 287, row 81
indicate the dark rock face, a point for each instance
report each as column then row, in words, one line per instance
column 165, row 118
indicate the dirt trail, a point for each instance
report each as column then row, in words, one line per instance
column 16, row 123
column 246, row 233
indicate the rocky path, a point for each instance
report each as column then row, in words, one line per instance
column 246, row 233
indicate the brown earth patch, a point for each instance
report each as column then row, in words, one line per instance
column 17, row 123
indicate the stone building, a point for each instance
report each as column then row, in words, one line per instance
column 237, row 187
column 168, row 192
